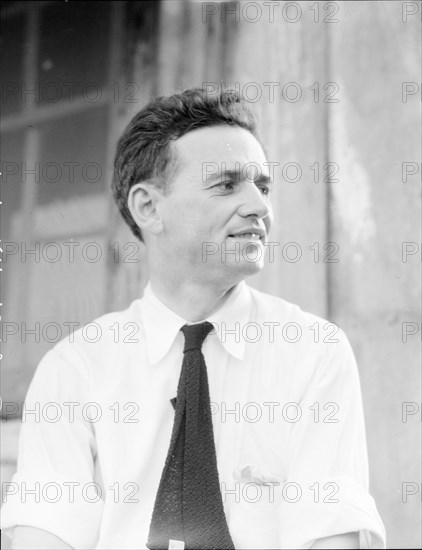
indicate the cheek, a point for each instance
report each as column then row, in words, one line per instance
column 190, row 219
column 185, row 220
column 219, row 212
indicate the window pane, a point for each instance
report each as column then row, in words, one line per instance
column 13, row 274
column 11, row 60
column 73, row 156
column 11, row 179
column 73, row 50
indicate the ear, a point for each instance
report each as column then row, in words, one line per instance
column 143, row 203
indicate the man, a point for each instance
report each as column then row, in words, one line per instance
column 135, row 461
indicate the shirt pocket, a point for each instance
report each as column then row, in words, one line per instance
column 254, row 518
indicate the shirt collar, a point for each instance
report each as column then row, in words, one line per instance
column 161, row 324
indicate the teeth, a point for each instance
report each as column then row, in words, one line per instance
column 248, row 235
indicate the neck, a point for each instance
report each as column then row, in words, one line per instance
column 194, row 301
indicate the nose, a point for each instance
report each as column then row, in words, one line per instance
column 255, row 203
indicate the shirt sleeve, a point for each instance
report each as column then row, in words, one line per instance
column 326, row 492
column 54, row 487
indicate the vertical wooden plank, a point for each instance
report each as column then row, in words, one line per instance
column 374, row 211
column 172, row 35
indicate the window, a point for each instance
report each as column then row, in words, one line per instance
column 58, row 99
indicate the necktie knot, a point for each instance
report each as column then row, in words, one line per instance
column 195, row 335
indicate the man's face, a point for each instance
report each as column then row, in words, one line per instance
column 217, row 214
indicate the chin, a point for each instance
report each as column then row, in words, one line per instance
column 252, row 269
column 252, row 257
column 249, row 260
column 243, row 269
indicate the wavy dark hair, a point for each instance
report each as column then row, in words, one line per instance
column 144, row 151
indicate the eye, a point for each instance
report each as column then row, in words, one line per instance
column 265, row 190
column 227, row 185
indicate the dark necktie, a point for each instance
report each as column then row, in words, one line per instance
column 188, row 506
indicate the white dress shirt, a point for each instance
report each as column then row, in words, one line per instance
column 287, row 417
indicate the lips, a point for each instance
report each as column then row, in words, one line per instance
column 249, row 234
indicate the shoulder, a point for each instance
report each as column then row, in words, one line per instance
column 304, row 336
column 269, row 306
column 97, row 341
column 103, row 329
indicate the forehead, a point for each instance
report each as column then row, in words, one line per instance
column 218, row 144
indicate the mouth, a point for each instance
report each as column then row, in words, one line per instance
column 248, row 236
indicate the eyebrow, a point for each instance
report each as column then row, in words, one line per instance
column 237, row 176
